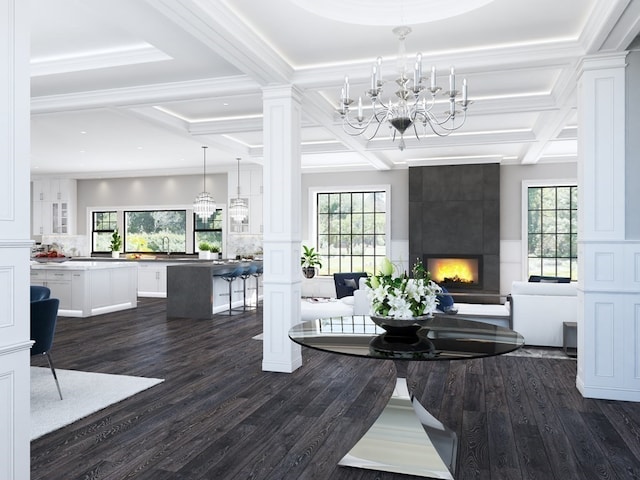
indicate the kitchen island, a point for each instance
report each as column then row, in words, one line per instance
column 87, row 288
column 197, row 290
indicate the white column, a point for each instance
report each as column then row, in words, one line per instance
column 282, row 233
column 609, row 263
column 15, row 244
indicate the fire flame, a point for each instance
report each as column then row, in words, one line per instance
column 453, row 270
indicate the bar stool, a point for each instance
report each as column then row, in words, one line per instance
column 248, row 273
column 230, row 276
column 258, row 274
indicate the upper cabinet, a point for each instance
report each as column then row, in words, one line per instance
column 53, row 206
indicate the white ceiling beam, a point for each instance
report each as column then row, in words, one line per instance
column 605, row 21
column 176, row 125
column 315, row 108
column 221, row 30
column 144, row 94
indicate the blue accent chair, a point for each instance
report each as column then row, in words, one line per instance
column 347, row 283
column 44, row 314
column 39, row 292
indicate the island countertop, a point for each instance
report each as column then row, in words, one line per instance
column 86, row 289
column 177, row 258
column 78, row 265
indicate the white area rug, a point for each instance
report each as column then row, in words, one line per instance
column 83, row 394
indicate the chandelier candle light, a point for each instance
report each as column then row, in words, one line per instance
column 414, row 104
column 238, row 210
column 204, row 205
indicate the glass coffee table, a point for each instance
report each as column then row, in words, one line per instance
column 406, row 438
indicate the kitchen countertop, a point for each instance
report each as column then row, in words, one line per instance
column 163, row 258
column 78, row 265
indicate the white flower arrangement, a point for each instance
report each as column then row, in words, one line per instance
column 399, row 296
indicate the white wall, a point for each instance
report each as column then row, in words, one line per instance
column 511, row 178
column 15, row 244
column 145, row 191
column 181, row 190
column 632, row 139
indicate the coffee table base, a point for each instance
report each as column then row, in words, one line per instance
column 406, row 439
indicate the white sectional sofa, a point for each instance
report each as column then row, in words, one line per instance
column 495, row 314
column 539, row 310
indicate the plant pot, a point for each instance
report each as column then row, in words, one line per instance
column 215, row 255
column 204, row 255
column 396, row 327
column 115, row 254
column 309, row 272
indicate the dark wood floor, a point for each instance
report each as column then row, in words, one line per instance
column 219, row 416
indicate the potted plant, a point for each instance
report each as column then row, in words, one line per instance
column 116, row 244
column 309, row 260
column 215, row 252
column 204, row 251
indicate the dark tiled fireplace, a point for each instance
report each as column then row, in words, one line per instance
column 454, row 213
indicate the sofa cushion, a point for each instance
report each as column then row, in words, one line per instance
column 347, row 300
column 445, row 302
column 546, row 279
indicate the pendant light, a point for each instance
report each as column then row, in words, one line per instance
column 204, row 205
column 238, row 210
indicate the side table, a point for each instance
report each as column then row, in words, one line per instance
column 570, row 338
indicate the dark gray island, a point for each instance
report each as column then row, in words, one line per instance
column 199, row 290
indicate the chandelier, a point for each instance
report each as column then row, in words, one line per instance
column 238, row 210
column 414, row 103
column 204, row 206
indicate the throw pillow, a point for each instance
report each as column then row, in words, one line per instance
column 351, row 283
column 445, row 302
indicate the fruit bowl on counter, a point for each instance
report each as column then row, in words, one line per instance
column 50, row 257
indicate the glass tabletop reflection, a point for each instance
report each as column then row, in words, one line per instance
column 444, row 338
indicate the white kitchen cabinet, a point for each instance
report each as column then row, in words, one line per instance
column 88, row 288
column 152, row 279
column 41, row 190
column 53, row 206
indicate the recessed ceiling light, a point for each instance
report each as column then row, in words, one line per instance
column 83, row 132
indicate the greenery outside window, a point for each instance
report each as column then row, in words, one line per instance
column 209, row 231
column 351, row 230
column 163, row 231
column 104, row 224
column 552, row 231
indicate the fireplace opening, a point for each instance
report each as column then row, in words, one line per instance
column 455, row 271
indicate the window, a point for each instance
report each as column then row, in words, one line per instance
column 104, row 223
column 351, row 230
column 552, row 231
column 209, row 231
column 155, row 231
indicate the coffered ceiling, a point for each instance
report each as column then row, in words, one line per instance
column 136, row 87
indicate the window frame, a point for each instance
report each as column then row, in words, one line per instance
column 195, row 230
column 190, row 227
column 94, row 231
column 125, row 233
column 542, row 183
column 313, row 211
